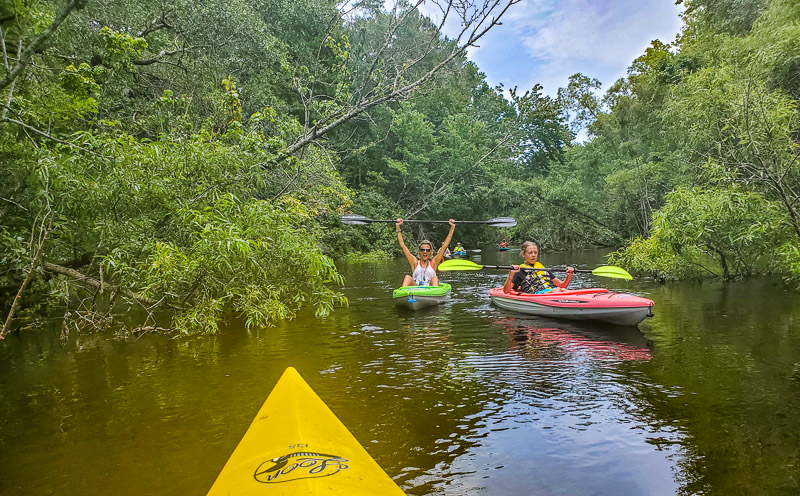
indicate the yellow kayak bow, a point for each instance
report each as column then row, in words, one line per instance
column 297, row 446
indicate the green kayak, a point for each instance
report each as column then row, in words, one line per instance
column 416, row 297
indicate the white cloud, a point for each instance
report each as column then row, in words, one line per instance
column 546, row 41
column 606, row 31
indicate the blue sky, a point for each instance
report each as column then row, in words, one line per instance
column 546, row 41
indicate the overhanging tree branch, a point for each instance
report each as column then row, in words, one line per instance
column 37, row 43
column 476, row 22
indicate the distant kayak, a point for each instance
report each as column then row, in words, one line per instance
column 503, row 248
column 460, row 254
column 416, row 297
column 583, row 304
column 296, row 445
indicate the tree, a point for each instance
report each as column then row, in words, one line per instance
column 725, row 232
column 391, row 73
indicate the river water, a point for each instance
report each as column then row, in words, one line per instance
column 463, row 399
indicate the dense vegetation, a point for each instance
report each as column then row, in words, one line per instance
column 193, row 156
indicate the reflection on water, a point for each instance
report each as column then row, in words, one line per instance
column 458, row 399
column 591, row 342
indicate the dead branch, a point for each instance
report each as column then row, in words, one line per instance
column 158, row 24
column 42, row 133
column 79, row 276
column 475, row 26
column 44, row 234
column 163, row 54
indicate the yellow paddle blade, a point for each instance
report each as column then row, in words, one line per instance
column 458, row 264
column 296, row 445
column 612, row 271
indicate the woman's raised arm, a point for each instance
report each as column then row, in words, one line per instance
column 440, row 254
column 411, row 258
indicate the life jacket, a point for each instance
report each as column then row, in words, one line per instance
column 535, row 280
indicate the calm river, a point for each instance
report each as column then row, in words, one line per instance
column 464, row 399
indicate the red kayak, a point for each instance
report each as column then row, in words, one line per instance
column 583, row 304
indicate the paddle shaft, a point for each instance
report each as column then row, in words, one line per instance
column 411, row 221
column 545, row 269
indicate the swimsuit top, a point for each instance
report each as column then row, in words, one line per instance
column 423, row 275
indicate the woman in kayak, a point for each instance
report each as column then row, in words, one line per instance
column 524, row 280
column 423, row 271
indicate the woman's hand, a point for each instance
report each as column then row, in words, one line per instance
column 397, row 224
column 452, row 223
column 570, row 270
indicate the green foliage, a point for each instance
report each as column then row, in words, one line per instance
column 726, row 232
column 252, row 257
column 121, row 49
column 694, row 154
column 80, row 83
column 231, row 101
column 369, row 256
column 578, row 99
column 165, row 134
column 729, row 16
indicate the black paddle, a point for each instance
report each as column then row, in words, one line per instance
column 360, row 220
column 605, row 270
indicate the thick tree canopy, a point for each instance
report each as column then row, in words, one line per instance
column 191, row 157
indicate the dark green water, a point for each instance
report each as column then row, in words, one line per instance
column 463, row 399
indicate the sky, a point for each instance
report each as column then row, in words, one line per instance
column 546, row 41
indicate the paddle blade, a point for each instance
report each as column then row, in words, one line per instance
column 612, row 271
column 354, row 220
column 502, row 222
column 457, row 264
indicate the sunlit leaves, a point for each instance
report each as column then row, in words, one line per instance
column 253, row 257
column 121, row 49
column 725, row 232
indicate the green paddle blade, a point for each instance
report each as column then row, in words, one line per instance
column 458, row 264
column 612, row 271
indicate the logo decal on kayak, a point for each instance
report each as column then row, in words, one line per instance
column 299, row 465
column 569, row 301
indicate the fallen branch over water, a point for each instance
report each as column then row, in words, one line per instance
column 79, row 276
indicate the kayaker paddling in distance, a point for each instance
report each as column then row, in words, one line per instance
column 534, row 281
column 423, row 270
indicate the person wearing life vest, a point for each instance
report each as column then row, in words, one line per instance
column 459, row 250
column 525, row 279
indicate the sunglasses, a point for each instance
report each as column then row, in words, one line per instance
column 424, row 249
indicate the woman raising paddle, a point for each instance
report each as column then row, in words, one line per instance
column 424, row 269
column 524, row 280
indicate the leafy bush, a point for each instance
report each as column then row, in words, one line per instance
column 254, row 258
column 725, row 232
